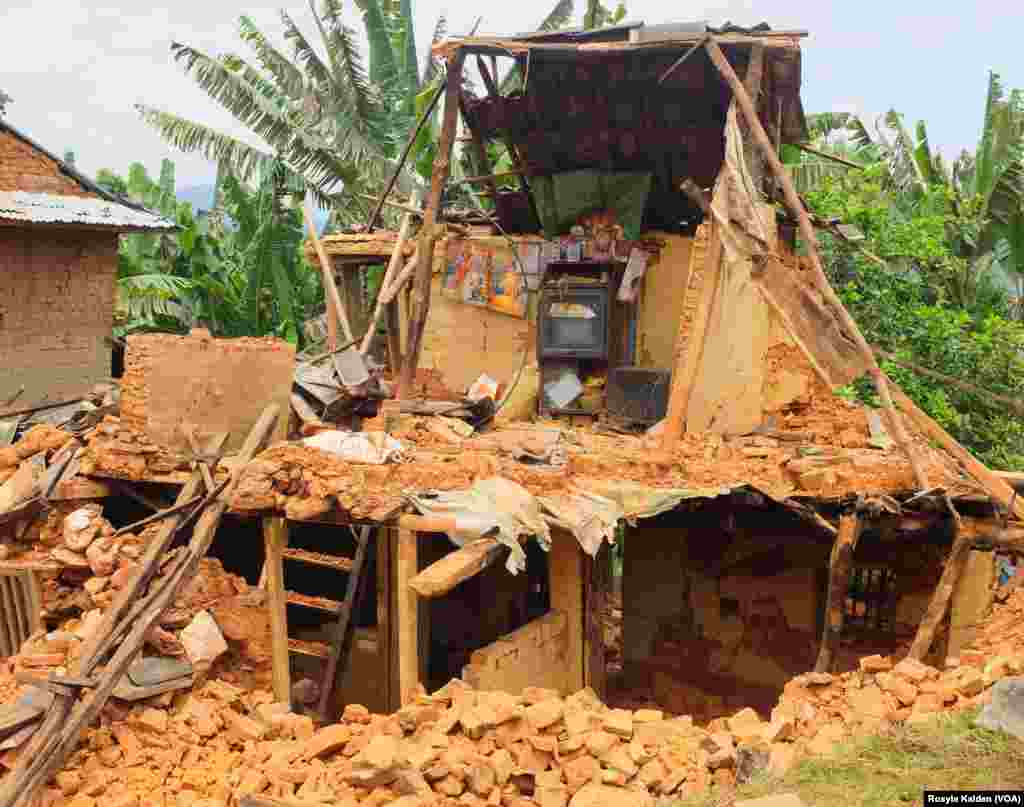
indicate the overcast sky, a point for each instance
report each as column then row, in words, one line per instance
column 75, row 69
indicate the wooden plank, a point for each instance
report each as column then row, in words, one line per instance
column 565, row 570
column 8, row 635
column 424, row 268
column 13, row 716
column 406, row 615
column 275, row 539
column 20, row 597
column 840, row 568
column 702, row 283
column 955, row 564
column 303, row 409
column 441, row 577
column 80, row 487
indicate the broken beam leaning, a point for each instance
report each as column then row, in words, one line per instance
column 899, row 433
column 955, row 565
column 59, row 734
column 839, row 568
column 442, row 576
column 421, row 287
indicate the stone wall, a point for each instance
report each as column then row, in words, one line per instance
column 56, row 309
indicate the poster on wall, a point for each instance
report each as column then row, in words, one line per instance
column 486, row 275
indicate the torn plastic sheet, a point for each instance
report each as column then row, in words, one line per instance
column 495, row 505
column 592, row 514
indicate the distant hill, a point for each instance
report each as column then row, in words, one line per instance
column 201, row 198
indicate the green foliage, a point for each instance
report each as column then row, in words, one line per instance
column 249, row 280
column 915, row 306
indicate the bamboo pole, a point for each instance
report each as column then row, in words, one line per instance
column 428, row 234
column 334, row 303
column 896, row 426
column 390, row 272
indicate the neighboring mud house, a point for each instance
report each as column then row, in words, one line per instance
column 58, row 269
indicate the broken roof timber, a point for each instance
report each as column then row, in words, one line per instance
column 515, row 45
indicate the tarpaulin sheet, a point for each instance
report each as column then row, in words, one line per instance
column 591, row 514
column 501, row 508
column 563, row 198
column 497, row 507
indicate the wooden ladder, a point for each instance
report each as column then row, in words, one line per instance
column 335, row 654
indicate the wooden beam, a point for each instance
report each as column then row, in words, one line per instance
column 409, row 210
column 834, row 157
column 679, row 62
column 955, row 564
column 424, row 274
column 839, row 569
column 994, row 485
column 1014, row 404
column 275, row 540
column 742, row 98
column 598, row 589
column 441, row 577
column 407, row 650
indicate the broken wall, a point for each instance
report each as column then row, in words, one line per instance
column 56, row 310
column 535, row 655
column 212, row 384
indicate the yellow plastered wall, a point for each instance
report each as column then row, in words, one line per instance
column 661, row 300
column 462, row 342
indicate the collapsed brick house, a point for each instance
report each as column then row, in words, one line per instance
column 58, row 268
column 763, row 519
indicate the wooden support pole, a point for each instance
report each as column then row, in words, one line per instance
column 834, row 157
column 896, row 427
column 955, row 564
column 389, row 293
column 334, row 303
column 422, row 281
column 389, row 274
column 407, row 616
column 394, row 336
column 840, row 568
column 275, row 540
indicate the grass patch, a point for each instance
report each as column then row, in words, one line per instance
column 948, row 753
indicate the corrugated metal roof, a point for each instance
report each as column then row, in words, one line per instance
column 56, row 209
column 49, row 208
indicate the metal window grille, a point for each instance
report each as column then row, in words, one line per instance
column 871, row 599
